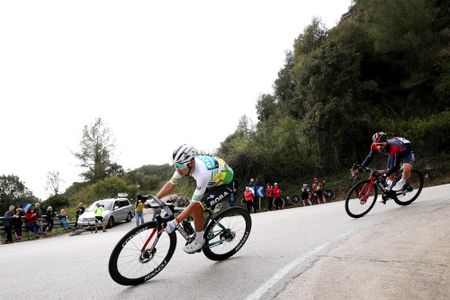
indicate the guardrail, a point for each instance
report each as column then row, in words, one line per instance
column 56, row 224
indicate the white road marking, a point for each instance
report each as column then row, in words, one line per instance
column 263, row 288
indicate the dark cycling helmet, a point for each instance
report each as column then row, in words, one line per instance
column 379, row 137
column 183, row 154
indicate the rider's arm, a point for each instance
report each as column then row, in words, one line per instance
column 370, row 157
column 166, row 189
column 169, row 186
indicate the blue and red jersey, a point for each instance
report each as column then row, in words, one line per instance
column 395, row 148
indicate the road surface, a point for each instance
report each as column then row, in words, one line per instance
column 314, row 252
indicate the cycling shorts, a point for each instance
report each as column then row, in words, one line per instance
column 305, row 195
column 406, row 157
column 215, row 195
column 98, row 219
column 319, row 193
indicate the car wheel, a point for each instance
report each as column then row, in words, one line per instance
column 110, row 222
column 129, row 217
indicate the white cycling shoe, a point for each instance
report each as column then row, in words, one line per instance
column 399, row 185
column 194, row 246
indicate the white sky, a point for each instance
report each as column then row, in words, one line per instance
column 160, row 73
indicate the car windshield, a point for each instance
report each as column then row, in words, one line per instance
column 107, row 204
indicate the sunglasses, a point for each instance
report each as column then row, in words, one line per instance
column 180, row 166
column 380, row 144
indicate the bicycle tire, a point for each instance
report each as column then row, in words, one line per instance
column 133, row 237
column 418, row 176
column 355, row 190
column 77, row 232
column 227, row 236
column 329, row 193
column 295, row 198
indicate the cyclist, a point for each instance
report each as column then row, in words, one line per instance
column 317, row 188
column 399, row 150
column 306, row 194
column 213, row 184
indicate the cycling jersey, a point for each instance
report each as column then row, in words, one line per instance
column 398, row 149
column 209, row 172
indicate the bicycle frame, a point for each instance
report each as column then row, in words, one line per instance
column 374, row 178
column 170, row 216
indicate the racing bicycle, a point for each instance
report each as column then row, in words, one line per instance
column 147, row 249
column 363, row 194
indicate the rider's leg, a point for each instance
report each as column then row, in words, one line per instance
column 407, row 168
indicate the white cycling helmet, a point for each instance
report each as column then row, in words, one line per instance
column 183, row 154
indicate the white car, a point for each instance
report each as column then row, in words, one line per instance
column 115, row 210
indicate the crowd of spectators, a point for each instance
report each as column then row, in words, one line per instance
column 257, row 197
column 15, row 218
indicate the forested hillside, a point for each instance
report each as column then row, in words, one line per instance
column 385, row 66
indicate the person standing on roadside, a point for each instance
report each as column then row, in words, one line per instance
column 80, row 210
column 269, row 196
column 279, row 203
column 18, row 222
column 8, row 222
column 38, row 212
column 139, row 212
column 98, row 212
column 248, row 198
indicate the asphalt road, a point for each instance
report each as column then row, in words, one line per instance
column 315, row 252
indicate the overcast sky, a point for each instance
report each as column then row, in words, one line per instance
column 160, row 73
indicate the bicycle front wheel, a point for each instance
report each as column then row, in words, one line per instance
column 141, row 254
column 411, row 190
column 361, row 198
column 227, row 233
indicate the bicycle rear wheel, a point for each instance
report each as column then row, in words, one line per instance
column 295, row 198
column 141, row 254
column 361, row 198
column 411, row 190
column 227, row 233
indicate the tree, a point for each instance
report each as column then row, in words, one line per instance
column 96, row 149
column 53, row 182
column 13, row 191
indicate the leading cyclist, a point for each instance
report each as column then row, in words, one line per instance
column 399, row 150
column 213, row 184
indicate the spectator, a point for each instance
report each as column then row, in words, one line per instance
column 98, row 212
column 63, row 219
column 232, row 198
column 317, row 188
column 8, row 222
column 278, row 202
column 80, row 210
column 306, row 194
column 269, row 196
column 50, row 218
column 17, row 222
column 254, row 186
column 38, row 211
column 248, row 198
column 30, row 222
column 139, row 212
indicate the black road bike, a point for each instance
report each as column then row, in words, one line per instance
column 363, row 194
column 147, row 249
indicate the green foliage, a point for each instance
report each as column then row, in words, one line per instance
column 56, row 202
column 96, row 147
column 384, row 68
column 13, row 191
column 109, row 188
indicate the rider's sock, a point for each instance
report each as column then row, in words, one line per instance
column 199, row 237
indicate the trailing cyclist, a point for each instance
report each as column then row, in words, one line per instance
column 213, row 184
column 399, row 150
